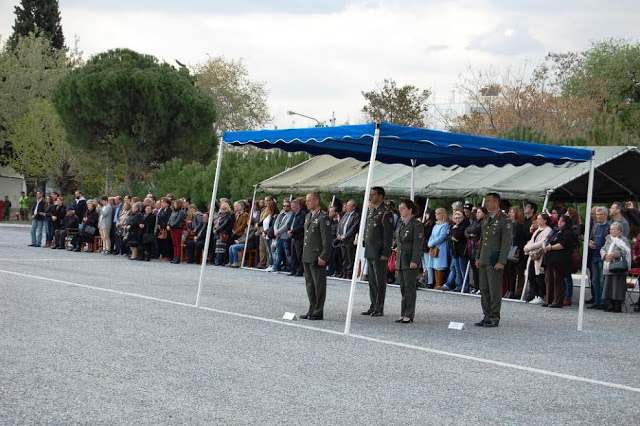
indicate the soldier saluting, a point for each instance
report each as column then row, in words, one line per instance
column 315, row 252
column 491, row 258
column 377, row 249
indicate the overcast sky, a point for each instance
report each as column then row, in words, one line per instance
column 318, row 56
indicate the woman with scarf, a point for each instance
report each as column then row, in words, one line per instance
column 616, row 249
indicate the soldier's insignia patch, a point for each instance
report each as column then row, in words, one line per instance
column 420, row 236
column 390, row 218
column 327, row 222
column 508, row 225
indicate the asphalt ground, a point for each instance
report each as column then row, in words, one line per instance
column 97, row 339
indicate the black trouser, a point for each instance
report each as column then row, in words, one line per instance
column 348, row 251
column 335, row 261
column 59, row 236
column 114, row 243
column 296, row 256
column 536, row 282
column 193, row 250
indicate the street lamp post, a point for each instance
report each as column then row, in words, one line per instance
column 306, row 116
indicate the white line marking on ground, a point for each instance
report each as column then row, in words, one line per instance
column 355, row 336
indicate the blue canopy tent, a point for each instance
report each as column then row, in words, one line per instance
column 389, row 143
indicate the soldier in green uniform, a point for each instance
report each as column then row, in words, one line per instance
column 315, row 252
column 491, row 259
column 377, row 249
column 409, row 237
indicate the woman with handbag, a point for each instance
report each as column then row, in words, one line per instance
column 457, row 245
column 165, row 249
column 439, row 247
column 134, row 232
column 222, row 233
column 428, row 278
column 535, row 270
column 409, row 236
column 616, row 254
column 175, row 226
column 473, row 234
column 147, row 237
column 516, row 262
column 557, row 261
column 89, row 226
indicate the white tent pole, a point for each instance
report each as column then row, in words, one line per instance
column 466, row 275
column 413, row 178
column 525, row 287
column 212, row 206
column 546, row 200
column 483, row 199
column 363, row 220
column 246, row 240
column 290, row 197
column 424, row 213
column 585, row 245
column 333, row 200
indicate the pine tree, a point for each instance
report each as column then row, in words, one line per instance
column 41, row 17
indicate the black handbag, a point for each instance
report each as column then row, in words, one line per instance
column 618, row 266
column 148, row 239
column 89, row 231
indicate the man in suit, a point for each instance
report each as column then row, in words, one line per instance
column 491, row 258
column 347, row 230
column 36, row 213
column 296, row 235
column 377, row 249
column 315, row 253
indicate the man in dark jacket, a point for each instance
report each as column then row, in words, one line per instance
column 347, row 230
column 80, row 205
column 296, row 234
column 70, row 221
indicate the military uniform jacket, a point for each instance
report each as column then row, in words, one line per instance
column 379, row 232
column 317, row 237
column 495, row 241
column 409, row 239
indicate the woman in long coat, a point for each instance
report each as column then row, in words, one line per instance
column 616, row 246
column 439, row 239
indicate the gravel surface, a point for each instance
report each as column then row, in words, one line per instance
column 75, row 355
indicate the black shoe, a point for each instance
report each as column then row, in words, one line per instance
column 593, row 306
column 636, row 309
column 77, row 250
column 490, row 324
column 377, row 314
column 369, row 312
column 601, row 307
column 399, row 320
column 590, row 301
column 37, row 245
column 480, row 323
column 31, row 245
column 305, row 316
column 609, row 308
column 407, row 322
column 315, row 317
column 299, row 274
column 544, row 305
column 291, row 274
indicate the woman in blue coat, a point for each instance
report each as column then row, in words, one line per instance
column 438, row 239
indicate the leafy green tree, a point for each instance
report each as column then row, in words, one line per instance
column 403, row 106
column 241, row 104
column 136, row 109
column 28, row 73
column 241, row 170
column 40, row 17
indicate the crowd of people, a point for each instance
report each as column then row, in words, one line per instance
column 486, row 250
